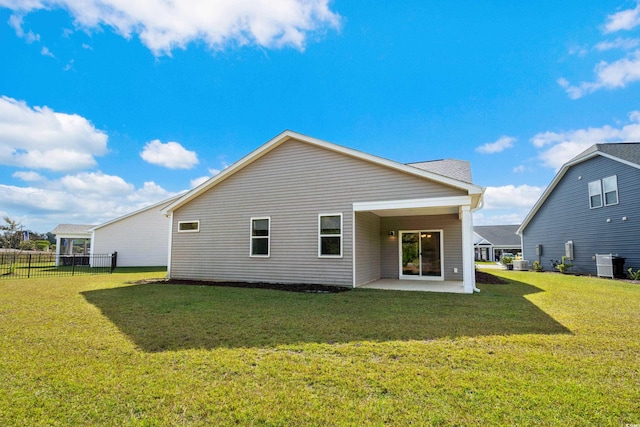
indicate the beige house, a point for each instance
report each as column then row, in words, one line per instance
column 302, row 210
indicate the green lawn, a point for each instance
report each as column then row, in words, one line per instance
column 546, row 349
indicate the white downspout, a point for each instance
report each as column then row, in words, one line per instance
column 170, row 216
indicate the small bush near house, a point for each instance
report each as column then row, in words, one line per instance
column 632, row 275
column 562, row 266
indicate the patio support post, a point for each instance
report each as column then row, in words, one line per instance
column 468, row 267
column 58, row 247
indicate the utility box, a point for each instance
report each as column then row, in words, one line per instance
column 520, row 264
column 618, row 267
column 568, row 249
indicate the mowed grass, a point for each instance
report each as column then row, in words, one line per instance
column 545, row 349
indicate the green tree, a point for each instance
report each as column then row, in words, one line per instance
column 11, row 234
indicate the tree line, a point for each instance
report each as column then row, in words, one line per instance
column 14, row 236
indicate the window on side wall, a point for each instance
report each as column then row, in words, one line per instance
column 330, row 235
column 595, row 194
column 610, row 190
column 260, row 237
column 188, row 226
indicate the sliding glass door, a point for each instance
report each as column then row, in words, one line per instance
column 421, row 254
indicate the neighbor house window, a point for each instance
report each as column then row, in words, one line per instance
column 595, row 194
column 260, row 235
column 603, row 190
column 610, row 190
column 188, row 226
column 330, row 235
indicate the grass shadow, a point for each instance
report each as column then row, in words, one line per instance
column 161, row 317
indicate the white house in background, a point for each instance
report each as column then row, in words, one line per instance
column 302, row 210
column 140, row 238
column 72, row 239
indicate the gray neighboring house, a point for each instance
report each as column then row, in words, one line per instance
column 302, row 210
column 591, row 207
column 491, row 241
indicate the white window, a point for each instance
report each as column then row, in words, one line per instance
column 330, row 235
column 188, row 226
column 610, row 190
column 608, row 187
column 595, row 194
column 260, row 237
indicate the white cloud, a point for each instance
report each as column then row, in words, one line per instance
column 623, row 20
column 519, row 169
column 15, row 22
column 213, row 172
column 45, row 204
column 616, row 74
column 619, row 43
column 560, row 147
column 198, row 181
column 95, row 183
column 508, row 204
column 46, row 52
column 171, row 155
column 495, row 147
column 28, row 176
column 40, row 138
column 165, row 25
column 510, row 196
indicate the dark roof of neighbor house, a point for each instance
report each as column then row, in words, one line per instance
column 499, row 235
column 452, row 168
column 629, row 151
column 625, row 152
column 72, row 229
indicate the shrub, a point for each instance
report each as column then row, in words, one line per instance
column 506, row 260
column 562, row 266
column 632, row 275
column 537, row 266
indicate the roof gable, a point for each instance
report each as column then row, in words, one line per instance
column 285, row 136
column 159, row 206
column 499, row 235
column 627, row 153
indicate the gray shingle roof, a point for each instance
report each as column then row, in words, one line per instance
column 501, row 235
column 629, row 151
column 451, row 168
column 72, row 229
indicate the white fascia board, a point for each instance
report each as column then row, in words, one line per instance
column 433, row 202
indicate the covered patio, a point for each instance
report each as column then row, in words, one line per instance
column 417, row 245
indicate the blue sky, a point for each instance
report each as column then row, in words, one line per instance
column 109, row 106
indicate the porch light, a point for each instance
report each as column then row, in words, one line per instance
column 392, row 233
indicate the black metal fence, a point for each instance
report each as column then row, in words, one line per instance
column 22, row 265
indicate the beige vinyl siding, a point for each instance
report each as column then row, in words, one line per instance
column 292, row 185
column 141, row 240
column 367, row 247
column 452, row 235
